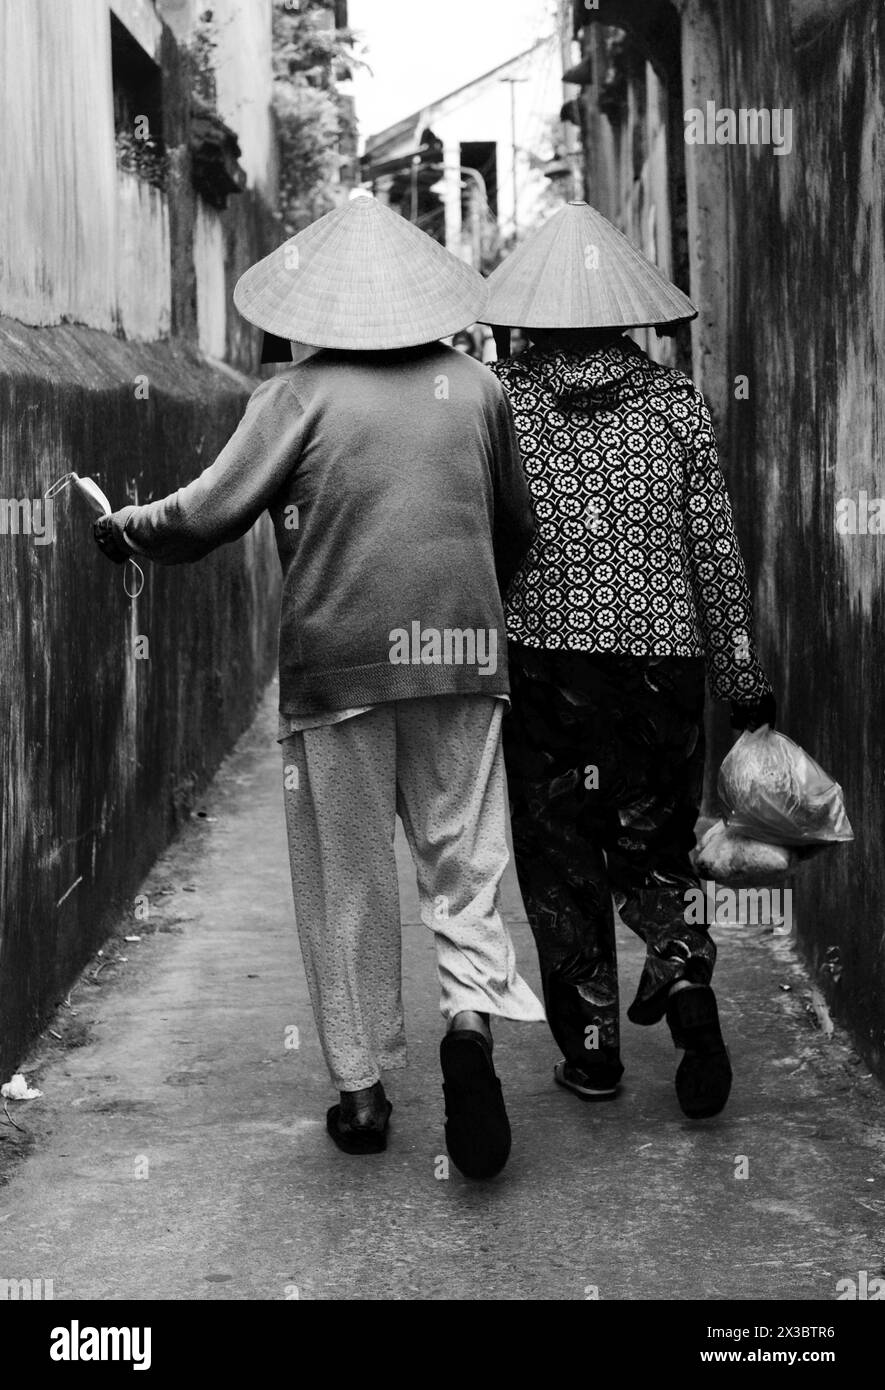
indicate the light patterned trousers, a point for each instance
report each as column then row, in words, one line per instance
column 437, row 763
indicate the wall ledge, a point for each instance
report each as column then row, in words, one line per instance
column 73, row 354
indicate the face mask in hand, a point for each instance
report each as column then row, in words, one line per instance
column 99, row 506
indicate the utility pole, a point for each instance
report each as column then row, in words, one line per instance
column 416, row 165
column 479, row 204
column 513, row 81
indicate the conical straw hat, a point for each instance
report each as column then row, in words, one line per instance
column 361, row 277
column 578, row 271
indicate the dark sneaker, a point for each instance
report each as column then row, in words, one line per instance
column 601, row 1084
column 703, row 1077
column 477, row 1127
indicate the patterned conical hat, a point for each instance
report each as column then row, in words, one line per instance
column 578, row 271
column 361, row 277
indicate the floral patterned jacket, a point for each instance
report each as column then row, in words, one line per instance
column 636, row 550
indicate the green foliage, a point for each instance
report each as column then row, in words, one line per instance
column 201, row 52
column 308, row 130
column 306, row 43
column 146, row 158
column 315, row 124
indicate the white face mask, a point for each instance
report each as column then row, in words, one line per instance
column 98, row 505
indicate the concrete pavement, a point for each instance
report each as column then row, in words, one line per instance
column 179, row 1150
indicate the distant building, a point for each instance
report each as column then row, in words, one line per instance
column 451, row 167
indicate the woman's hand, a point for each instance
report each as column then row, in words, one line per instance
column 753, row 716
column 106, row 539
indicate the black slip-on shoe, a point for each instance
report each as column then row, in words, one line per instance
column 589, row 1086
column 477, row 1127
column 354, row 1138
column 703, row 1077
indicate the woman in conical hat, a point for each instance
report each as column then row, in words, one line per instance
column 389, row 466
column 632, row 591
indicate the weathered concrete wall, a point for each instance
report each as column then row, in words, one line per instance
column 103, row 751
column 82, row 241
column 105, row 742
column 787, row 260
column 244, row 50
column 212, row 301
column 143, row 280
column 807, row 315
column 631, row 113
column 57, row 142
column 242, row 65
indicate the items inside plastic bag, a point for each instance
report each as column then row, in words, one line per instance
column 773, row 791
column 736, row 861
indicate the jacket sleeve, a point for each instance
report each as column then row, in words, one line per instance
column 228, row 497
column 716, row 566
column 515, row 522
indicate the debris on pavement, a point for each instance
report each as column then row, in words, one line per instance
column 18, row 1089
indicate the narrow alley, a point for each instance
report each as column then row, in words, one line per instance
column 440, row 443
column 179, row 1149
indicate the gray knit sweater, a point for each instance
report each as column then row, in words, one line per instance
column 401, row 513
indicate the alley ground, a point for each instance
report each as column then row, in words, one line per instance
column 179, row 1151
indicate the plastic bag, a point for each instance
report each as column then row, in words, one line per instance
column 773, row 791
column 736, row 861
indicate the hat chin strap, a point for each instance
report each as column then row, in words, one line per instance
column 274, row 349
column 502, row 340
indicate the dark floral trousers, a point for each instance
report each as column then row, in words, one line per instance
column 605, row 756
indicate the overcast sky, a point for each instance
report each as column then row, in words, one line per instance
column 418, row 51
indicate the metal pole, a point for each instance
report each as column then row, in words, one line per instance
column 476, row 229
column 514, row 146
column 478, row 198
column 416, row 161
column 479, row 204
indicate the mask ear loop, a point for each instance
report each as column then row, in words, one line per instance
column 140, row 572
column 58, row 485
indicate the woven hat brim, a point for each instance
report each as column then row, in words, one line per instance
column 361, row 278
column 579, row 271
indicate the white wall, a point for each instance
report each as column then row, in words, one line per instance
column 244, row 76
column 58, row 179
column 81, row 241
column 243, row 70
column 211, row 291
column 143, row 262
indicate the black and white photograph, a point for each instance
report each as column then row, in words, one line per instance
column 442, row 657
